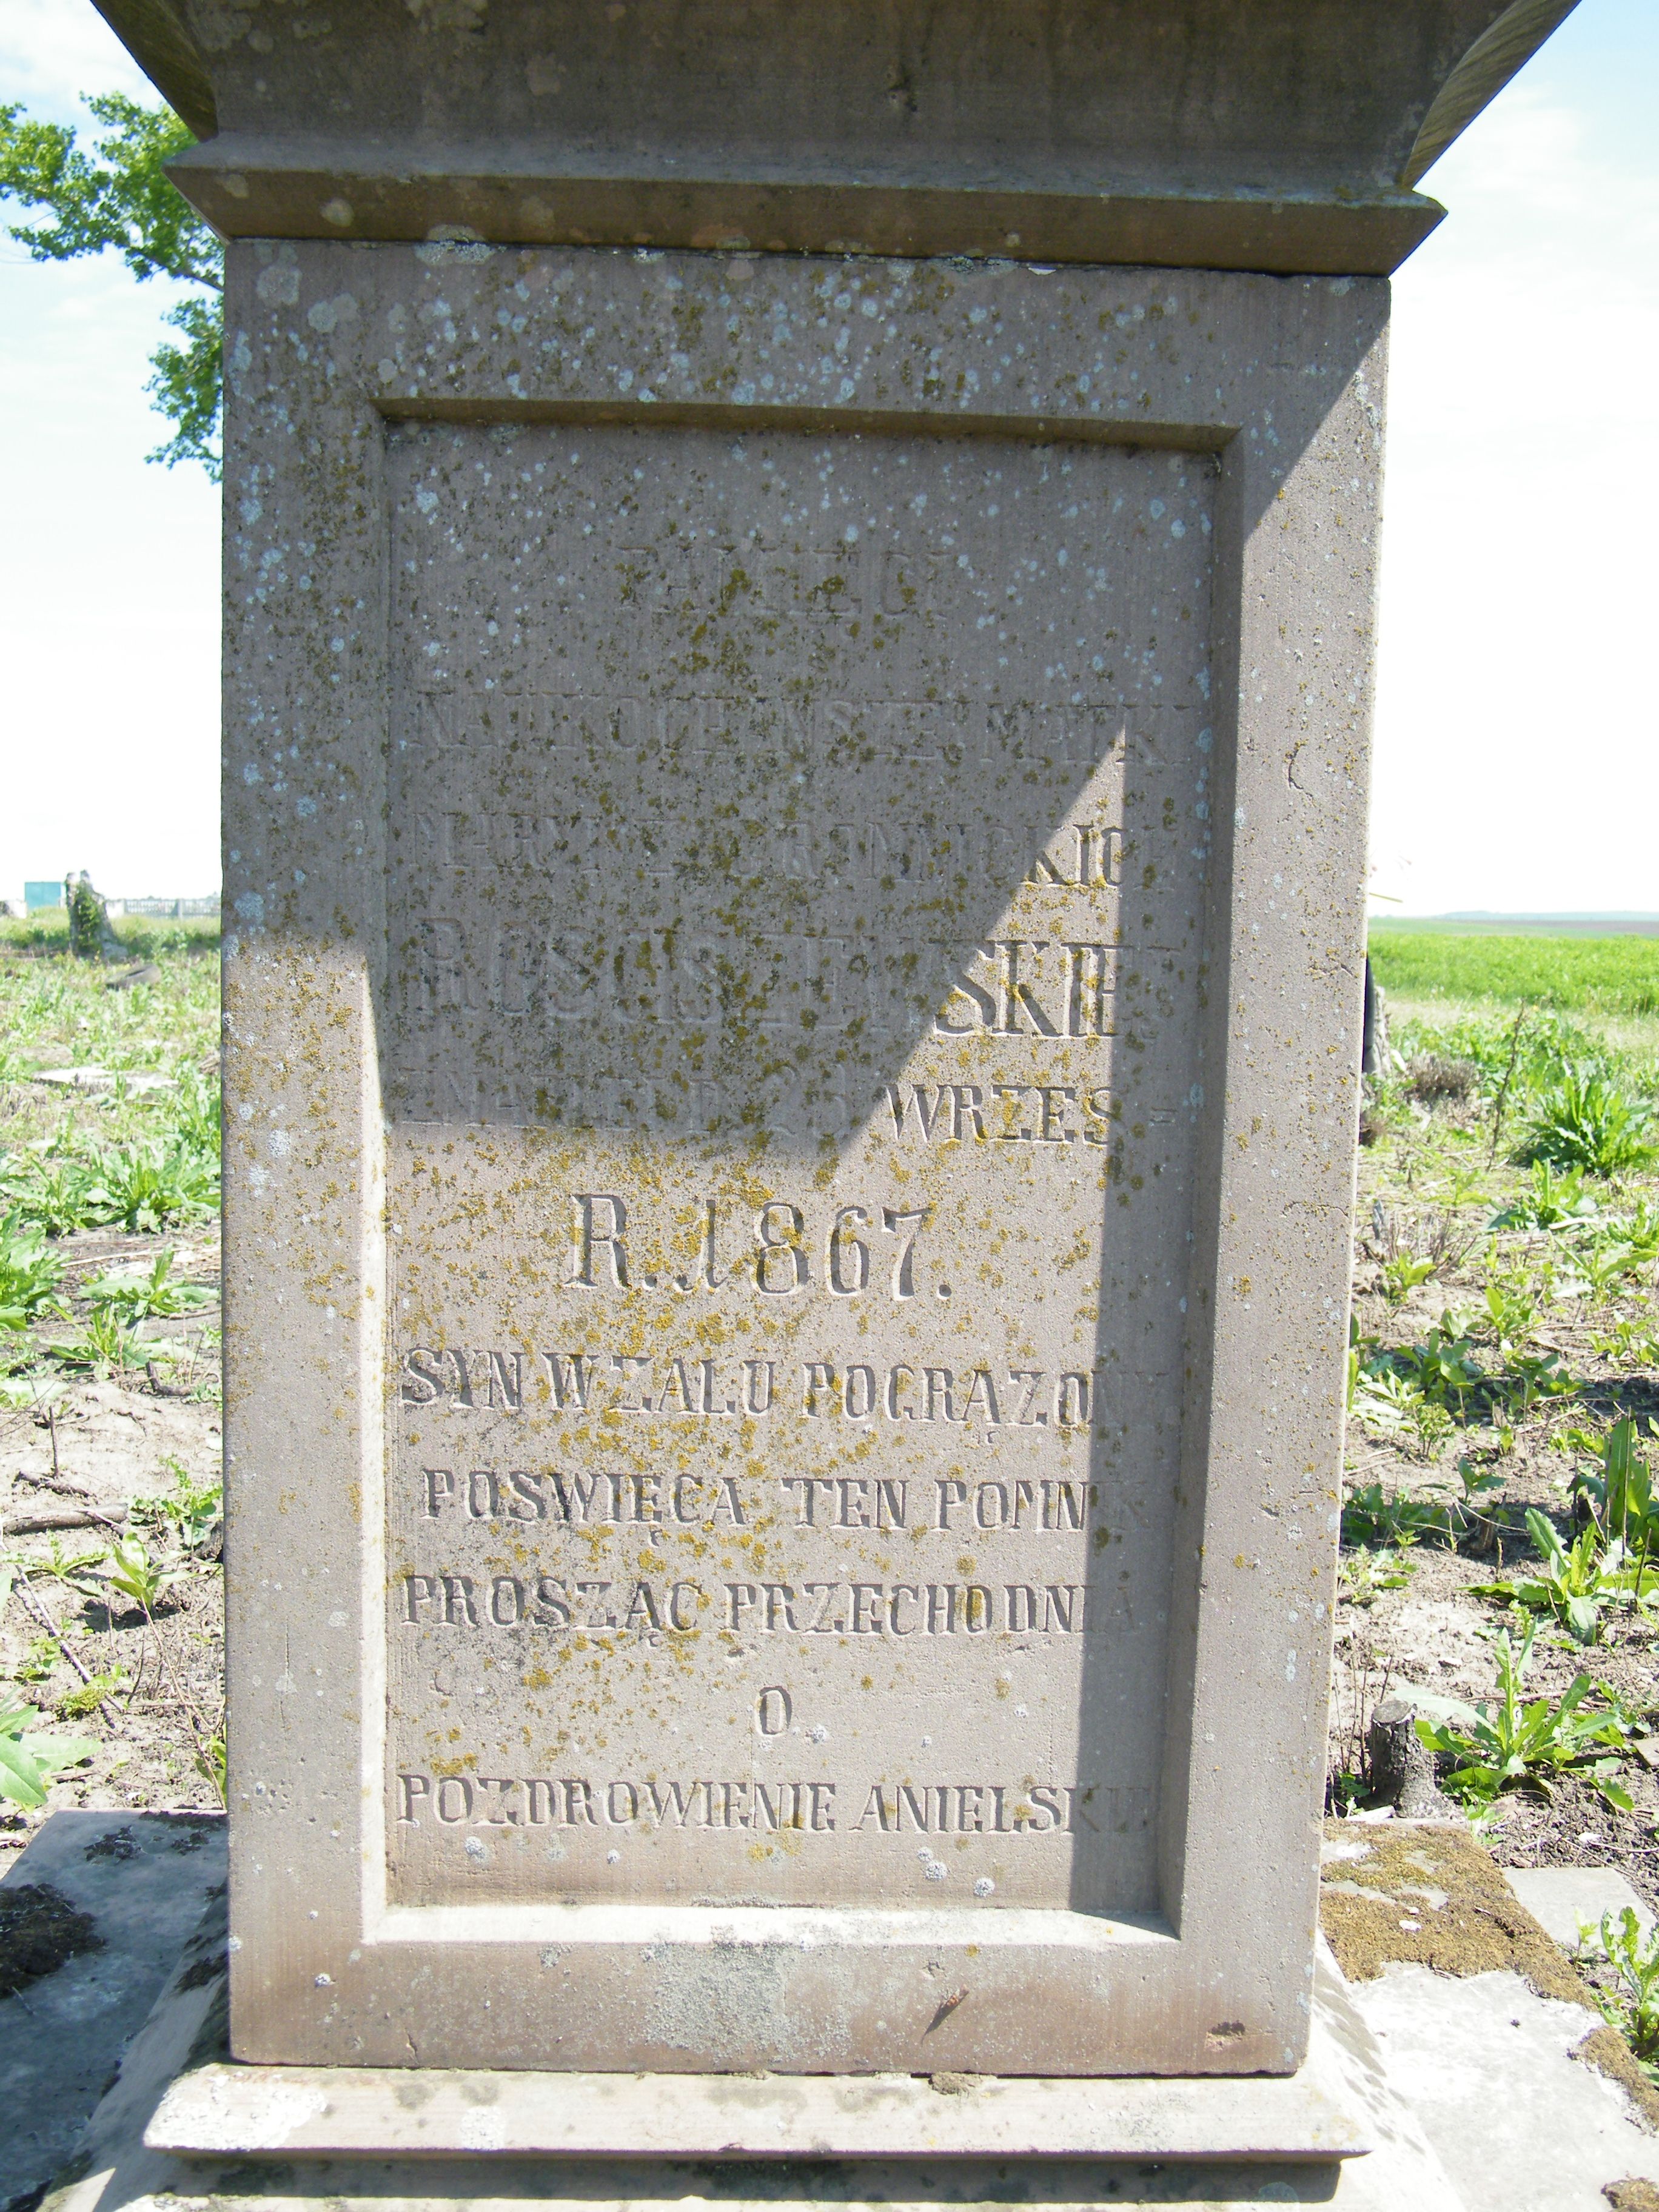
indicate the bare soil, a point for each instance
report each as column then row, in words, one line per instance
column 109, row 1443
column 1428, row 1180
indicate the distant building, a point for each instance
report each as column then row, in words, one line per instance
column 166, row 909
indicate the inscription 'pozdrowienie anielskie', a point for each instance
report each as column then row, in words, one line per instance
column 799, row 850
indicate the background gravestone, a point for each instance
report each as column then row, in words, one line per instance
column 796, row 825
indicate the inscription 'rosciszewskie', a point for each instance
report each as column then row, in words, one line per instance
column 888, row 983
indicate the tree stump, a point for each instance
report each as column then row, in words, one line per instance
column 1401, row 1764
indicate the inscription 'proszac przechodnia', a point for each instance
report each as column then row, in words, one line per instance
column 796, row 964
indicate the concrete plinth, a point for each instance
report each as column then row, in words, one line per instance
column 180, row 2122
column 1403, row 2072
column 357, row 2111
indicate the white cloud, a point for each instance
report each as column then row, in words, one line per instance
column 1517, row 726
column 51, row 52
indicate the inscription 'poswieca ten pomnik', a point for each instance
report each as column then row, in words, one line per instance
column 795, row 967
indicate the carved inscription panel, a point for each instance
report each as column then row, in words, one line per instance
column 799, row 848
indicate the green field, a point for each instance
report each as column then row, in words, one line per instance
column 1604, row 976
column 47, row 931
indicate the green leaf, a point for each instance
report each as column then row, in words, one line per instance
column 28, row 1761
column 1546, row 1542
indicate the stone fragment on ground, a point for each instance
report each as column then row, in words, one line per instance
column 1490, row 2070
column 1562, row 1899
column 1425, row 1893
column 93, row 1919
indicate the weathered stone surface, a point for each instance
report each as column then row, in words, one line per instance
column 795, row 830
column 796, row 951
column 1261, row 135
column 365, row 2112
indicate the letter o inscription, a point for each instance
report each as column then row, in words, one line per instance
column 991, row 1506
column 506, row 1602
column 773, row 1710
column 621, row 1804
column 452, row 1809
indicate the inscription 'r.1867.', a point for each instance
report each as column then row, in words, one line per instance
column 778, row 1259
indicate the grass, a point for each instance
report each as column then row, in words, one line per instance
column 1567, row 974
column 47, row 931
column 1504, row 1365
column 139, row 1153
column 118, row 1633
column 56, row 1013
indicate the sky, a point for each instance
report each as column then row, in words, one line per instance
column 1518, row 736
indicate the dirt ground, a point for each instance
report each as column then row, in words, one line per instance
column 103, row 1448
column 117, row 1444
column 1432, row 1179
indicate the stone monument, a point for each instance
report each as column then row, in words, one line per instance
column 798, row 592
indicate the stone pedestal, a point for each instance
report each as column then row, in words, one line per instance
column 793, row 1010
column 796, row 740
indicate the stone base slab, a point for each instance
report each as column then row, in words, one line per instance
column 127, row 1889
column 315, row 2112
column 181, row 2124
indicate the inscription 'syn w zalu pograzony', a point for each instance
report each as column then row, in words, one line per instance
column 790, row 1043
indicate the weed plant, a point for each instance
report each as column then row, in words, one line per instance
column 135, row 1295
column 29, row 1760
column 1581, row 1121
column 1372, row 1516
column 1549, row 1201
column 192, row 1510
column 1576, row 1582
column 1363, row 1575
column 30, row 1275
column 1630, row 1960
column 1517, row 1742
